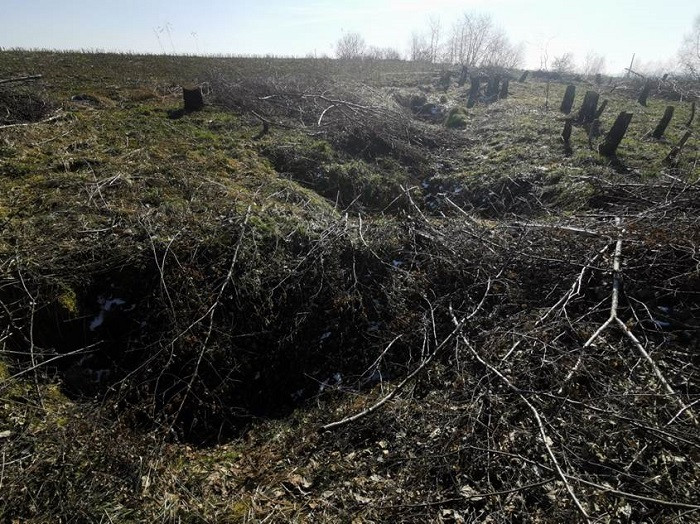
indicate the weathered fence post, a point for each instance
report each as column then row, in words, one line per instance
column 663, row 123
column 192, row 97
column 615, row 135
column 645, row 93
column 523, row 77
column 593, row 132
column 445, row 80
column 602, row 107
column 463, row 76
column 492, row 87
column 568, row 102
column 588, row 108
column 504, row 89
column 474, row 91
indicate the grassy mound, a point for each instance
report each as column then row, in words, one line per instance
column 457, row 118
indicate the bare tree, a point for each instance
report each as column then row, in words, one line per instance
column 475, row 37
column 419, row 49
column 499, row 52
column 435, row 29
column 544, row 53
column 382, row 53
column 593, row 64
column 689, row 54
column 391, row 53
column 350, row 46
column 564, row 63
column 476, row 41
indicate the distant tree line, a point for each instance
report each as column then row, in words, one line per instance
column 473, row 41
column 352, row 46
column 593, row 64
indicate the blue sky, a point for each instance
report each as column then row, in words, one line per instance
column 653, row 29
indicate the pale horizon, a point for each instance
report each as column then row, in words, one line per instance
column 653, row 31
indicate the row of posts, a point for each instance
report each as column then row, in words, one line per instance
column 589, row 114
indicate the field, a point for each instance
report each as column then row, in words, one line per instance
column 337, row 294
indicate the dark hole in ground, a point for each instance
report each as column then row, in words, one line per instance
column 206, row 381
column 21, row 104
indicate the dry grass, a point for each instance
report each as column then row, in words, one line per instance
column 263, row 280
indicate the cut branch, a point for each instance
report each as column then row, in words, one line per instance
column 20, row 79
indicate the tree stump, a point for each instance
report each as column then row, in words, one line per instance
column 566, row 132
column 663, row 123
column 615, row 135
column 602, row 107
column 568, row 102
column 523, row 77
column 593, row 132
column 445, row 80
column 192, row 97
column 504, row 89
column 645, row 93
column 492, row 87
column 588, row 108
column 463, row 76
column 474, row 91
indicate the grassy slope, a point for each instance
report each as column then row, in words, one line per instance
column 114, row 180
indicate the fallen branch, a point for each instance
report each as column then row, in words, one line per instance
column 540, row 424
column 613, row 318
column 55, row 117
column 374, row 407
column 20, row 79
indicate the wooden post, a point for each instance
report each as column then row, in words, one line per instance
column 602, row 107
column 615, row 135
column 692, row 114
column 645, row 93
column 523, row 77
column 588, row 108
column 630, row 67
column 598, row 79
column 265, row 129
column 672, row 157
column 192, row 97
column 568, row 102
column 445, row 80
column 566, row 132
column 492, row 87
column 593, row 132
column 663, row 123
column 474, row 91
column 463, row 76
column 504, row 89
